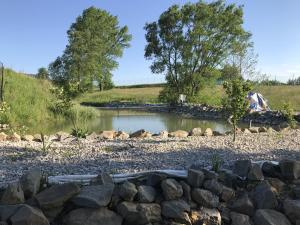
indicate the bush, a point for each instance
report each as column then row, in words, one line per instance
column 288, row 112
column 4, row 113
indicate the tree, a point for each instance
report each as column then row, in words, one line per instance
column 42, row 73
column 230, row 72
column 187, row 42
column 95, row 42
column 236, row 103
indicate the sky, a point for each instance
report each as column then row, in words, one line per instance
column 33, row 34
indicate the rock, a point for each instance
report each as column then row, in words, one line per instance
column 270, row 130
column 227, row 194
column 92, row 136
column 155, row 179
column 56, row 195
column 94, row 196
column 209, row 174
column 206, row 216
column 27, row 215
column 218, row 133
column 31, row 182
column 107, row 134
column 186, row 192
column 196, row 132
column 271, row 170
column 179, row 134
column 14, row 137
column 290, row 169
column 225, row 213
column 277, row 184
column 103, row 178
column 13, row 194
column 240, row 219
column 171, row 189
column 296, row 192
column 246, row 131
column 195, row 178
column 242, row 204
column 262, row 129
column 62, row 136
column 122, row 135
column 139, row 134
column 37, row 138
column 3, row 136
column 205, row 198
column 255, row 173
column 208, row 132
column 292, row 209
column 270, row 217
column 127, row 191
column 27, row 138
column 254, row 129
column 264, row 196
column 139, row 214
column 101, row 216
column 6, row 211
column 146, row 194
column 176, row 210
column 214, row 186
column 242, row 167
column 163, row 134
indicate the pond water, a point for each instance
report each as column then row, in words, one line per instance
column 133, row 120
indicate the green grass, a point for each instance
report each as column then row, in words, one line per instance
column 277, row 95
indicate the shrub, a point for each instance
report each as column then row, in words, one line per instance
column 288, row 113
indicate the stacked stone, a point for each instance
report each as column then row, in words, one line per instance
column 249, row 194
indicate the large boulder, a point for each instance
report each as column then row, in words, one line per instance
column 31, row 182
column 6, row 211
column 27, row 215
column 195, row 177
column 13, row 194
column 265, row 196
column 242, row 167
column 227, row 194
column 290, row 169
column 94, row 196
column 176, row 210
column 179, row 134
column 127, row 191
column 208, row 132
column 255, row 173
column 240, row 219
column 101, row 216
column 205, row 198
column 270, row 217
column 242, row 204
column 206, row 216
column 108, row 134
column 271, row 170
column 292, row 209
column 146, row 194
column 214, row 186
column 171, row 189
column 196, row 132
column 186, row 191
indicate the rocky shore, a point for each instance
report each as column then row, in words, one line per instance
column 117, row 152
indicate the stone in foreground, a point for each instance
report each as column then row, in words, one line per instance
column 270, row 217
column 171, row 189
column 206, row 216
column 177, row 210
column 292, row 209
column 195, row 177
column 127, row 191
column 13, row 194
column 31, row 182
column 205, row 198
column 27, row 215
column 240, row 219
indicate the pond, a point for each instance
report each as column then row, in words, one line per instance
column 133, row 120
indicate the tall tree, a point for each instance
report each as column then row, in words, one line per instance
column 42, row 73
column 187, row 42
column 96, row 40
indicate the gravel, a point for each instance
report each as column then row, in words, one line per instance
column 132, row 155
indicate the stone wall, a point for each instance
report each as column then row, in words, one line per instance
column 267, row 194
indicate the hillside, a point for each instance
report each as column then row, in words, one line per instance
column 28, row 99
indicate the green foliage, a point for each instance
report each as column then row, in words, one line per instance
column 230, row 72
column 42, row 73
column 295, row 81
column 4, row 113
column 236, row 103
column 288, row 112
column 187, row 43
column 63, row 103
column 45, row 144
column 216, row 162
column 95, row 42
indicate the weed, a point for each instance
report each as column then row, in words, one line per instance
column 288, row 112
column 216, row 162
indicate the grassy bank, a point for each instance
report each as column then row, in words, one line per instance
column 277, row 95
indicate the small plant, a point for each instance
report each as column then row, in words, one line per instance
column 63, row 103
column 45, row 145
column 216, row 162
column 78, row 117
column 79, row 132
column 288, row 113
column 4, row 113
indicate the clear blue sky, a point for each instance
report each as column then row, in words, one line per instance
column 33, row 33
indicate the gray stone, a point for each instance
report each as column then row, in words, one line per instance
column 196, row 132
column 209, row 175
column 13, row 194
column 264, row 196
column 27, row 215
column 155, row 179
column 146, row 194
column 127, row 191
column 186, row 192
column 101, row 216
column 270, row 217
column 227, row 194
column 150, row 212
column 277, row 184
column 292, row 209
column 31, row 182
column 290, row 169
column 206, row 216
column 214, row 186
column 195, row 178
column 94, row 196
column 242, row 204
column 176, row 210
column 205, row 198
column 239, row 219
column 171, row 189
column 6, row 211
column 103, row 178
column 139, row 134
column 255, row 173
column 242, row 167
column 128, row 210
column 271, row 170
